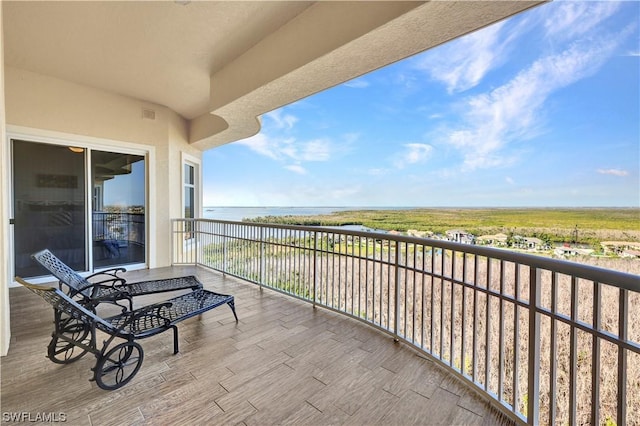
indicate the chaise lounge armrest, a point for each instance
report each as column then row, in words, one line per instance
column 107, row 285
column 113, row 272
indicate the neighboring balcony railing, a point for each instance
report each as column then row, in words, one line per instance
column 550, row 341
column 123, row 228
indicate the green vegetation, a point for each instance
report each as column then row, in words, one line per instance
column 589, row 225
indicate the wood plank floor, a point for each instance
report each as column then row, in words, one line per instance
column 282, row 363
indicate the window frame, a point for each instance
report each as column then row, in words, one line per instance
column 195, row 163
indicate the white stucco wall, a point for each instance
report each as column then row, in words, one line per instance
column 46, row 105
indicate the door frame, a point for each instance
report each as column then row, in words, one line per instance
column 89, row 143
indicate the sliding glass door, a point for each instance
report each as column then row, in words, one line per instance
column 59, row 190
column 49, row 208
column 118, row 208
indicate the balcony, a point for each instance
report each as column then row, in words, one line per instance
column 478, row 332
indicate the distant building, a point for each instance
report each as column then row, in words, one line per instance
column 619, row 247
column 529, row 243
column 572, row 251
column 498, row 240
column 460, row 236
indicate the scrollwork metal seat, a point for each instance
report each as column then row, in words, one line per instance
column 116, row 364
column 109, row 287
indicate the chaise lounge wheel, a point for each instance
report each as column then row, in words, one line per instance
column 118, row 366
column 61, row 351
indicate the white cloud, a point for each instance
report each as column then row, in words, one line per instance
column 275, row 142
column 572, row 18
column 411, row 154
column 512, row 112
column 296, row 168
column 358, row 83
column 286, row 149
column 280, row 119
column 614, row 172
column 509, row 180
column 462, row 64
column 314, row 150
column 262, row 144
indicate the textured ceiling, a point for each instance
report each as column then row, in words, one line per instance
column 161, row 52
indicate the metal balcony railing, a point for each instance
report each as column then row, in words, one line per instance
column 548, row 341
column 123, row 228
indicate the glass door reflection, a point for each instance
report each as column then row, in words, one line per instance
column 48, row 205
column 118, row 208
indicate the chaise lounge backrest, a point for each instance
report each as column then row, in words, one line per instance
column 64, row 273
column 63, row 303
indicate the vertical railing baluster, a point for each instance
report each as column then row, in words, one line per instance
column 353, row 267
column 396, row 322
column 516, row 340
column 623, row 327
column 337, row 269
column 366, row 280
column 405, row 291
column 373, row 285
column 293, row 266
column 442, row 301
column 389, row 283
column 463, row 311
column 501, row 335
column 359, row 278
column 279, row 265
column 452, row 302
column 341, row 264
column 432, row 302
column 261, row 257
column 553, row 350
column 474, row 335
column 533, row 385
column 595, row 355
column 413, row 294
column 224, row 248
column 487, row 355
column 573, row 354
column 422, row 302
column 315, row 267
column 174, row 249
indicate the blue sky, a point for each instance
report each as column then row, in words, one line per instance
column 542, row 109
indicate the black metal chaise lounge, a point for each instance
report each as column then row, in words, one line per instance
column 75, row 330
column 109, row 287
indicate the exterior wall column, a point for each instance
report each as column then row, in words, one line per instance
column 5, row 257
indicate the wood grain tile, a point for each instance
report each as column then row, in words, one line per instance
column 283, row 362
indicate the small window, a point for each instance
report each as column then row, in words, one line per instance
column 189, row 192
column 190, row 197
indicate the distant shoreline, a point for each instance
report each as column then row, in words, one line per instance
column 424, row 207
column 586, row 226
